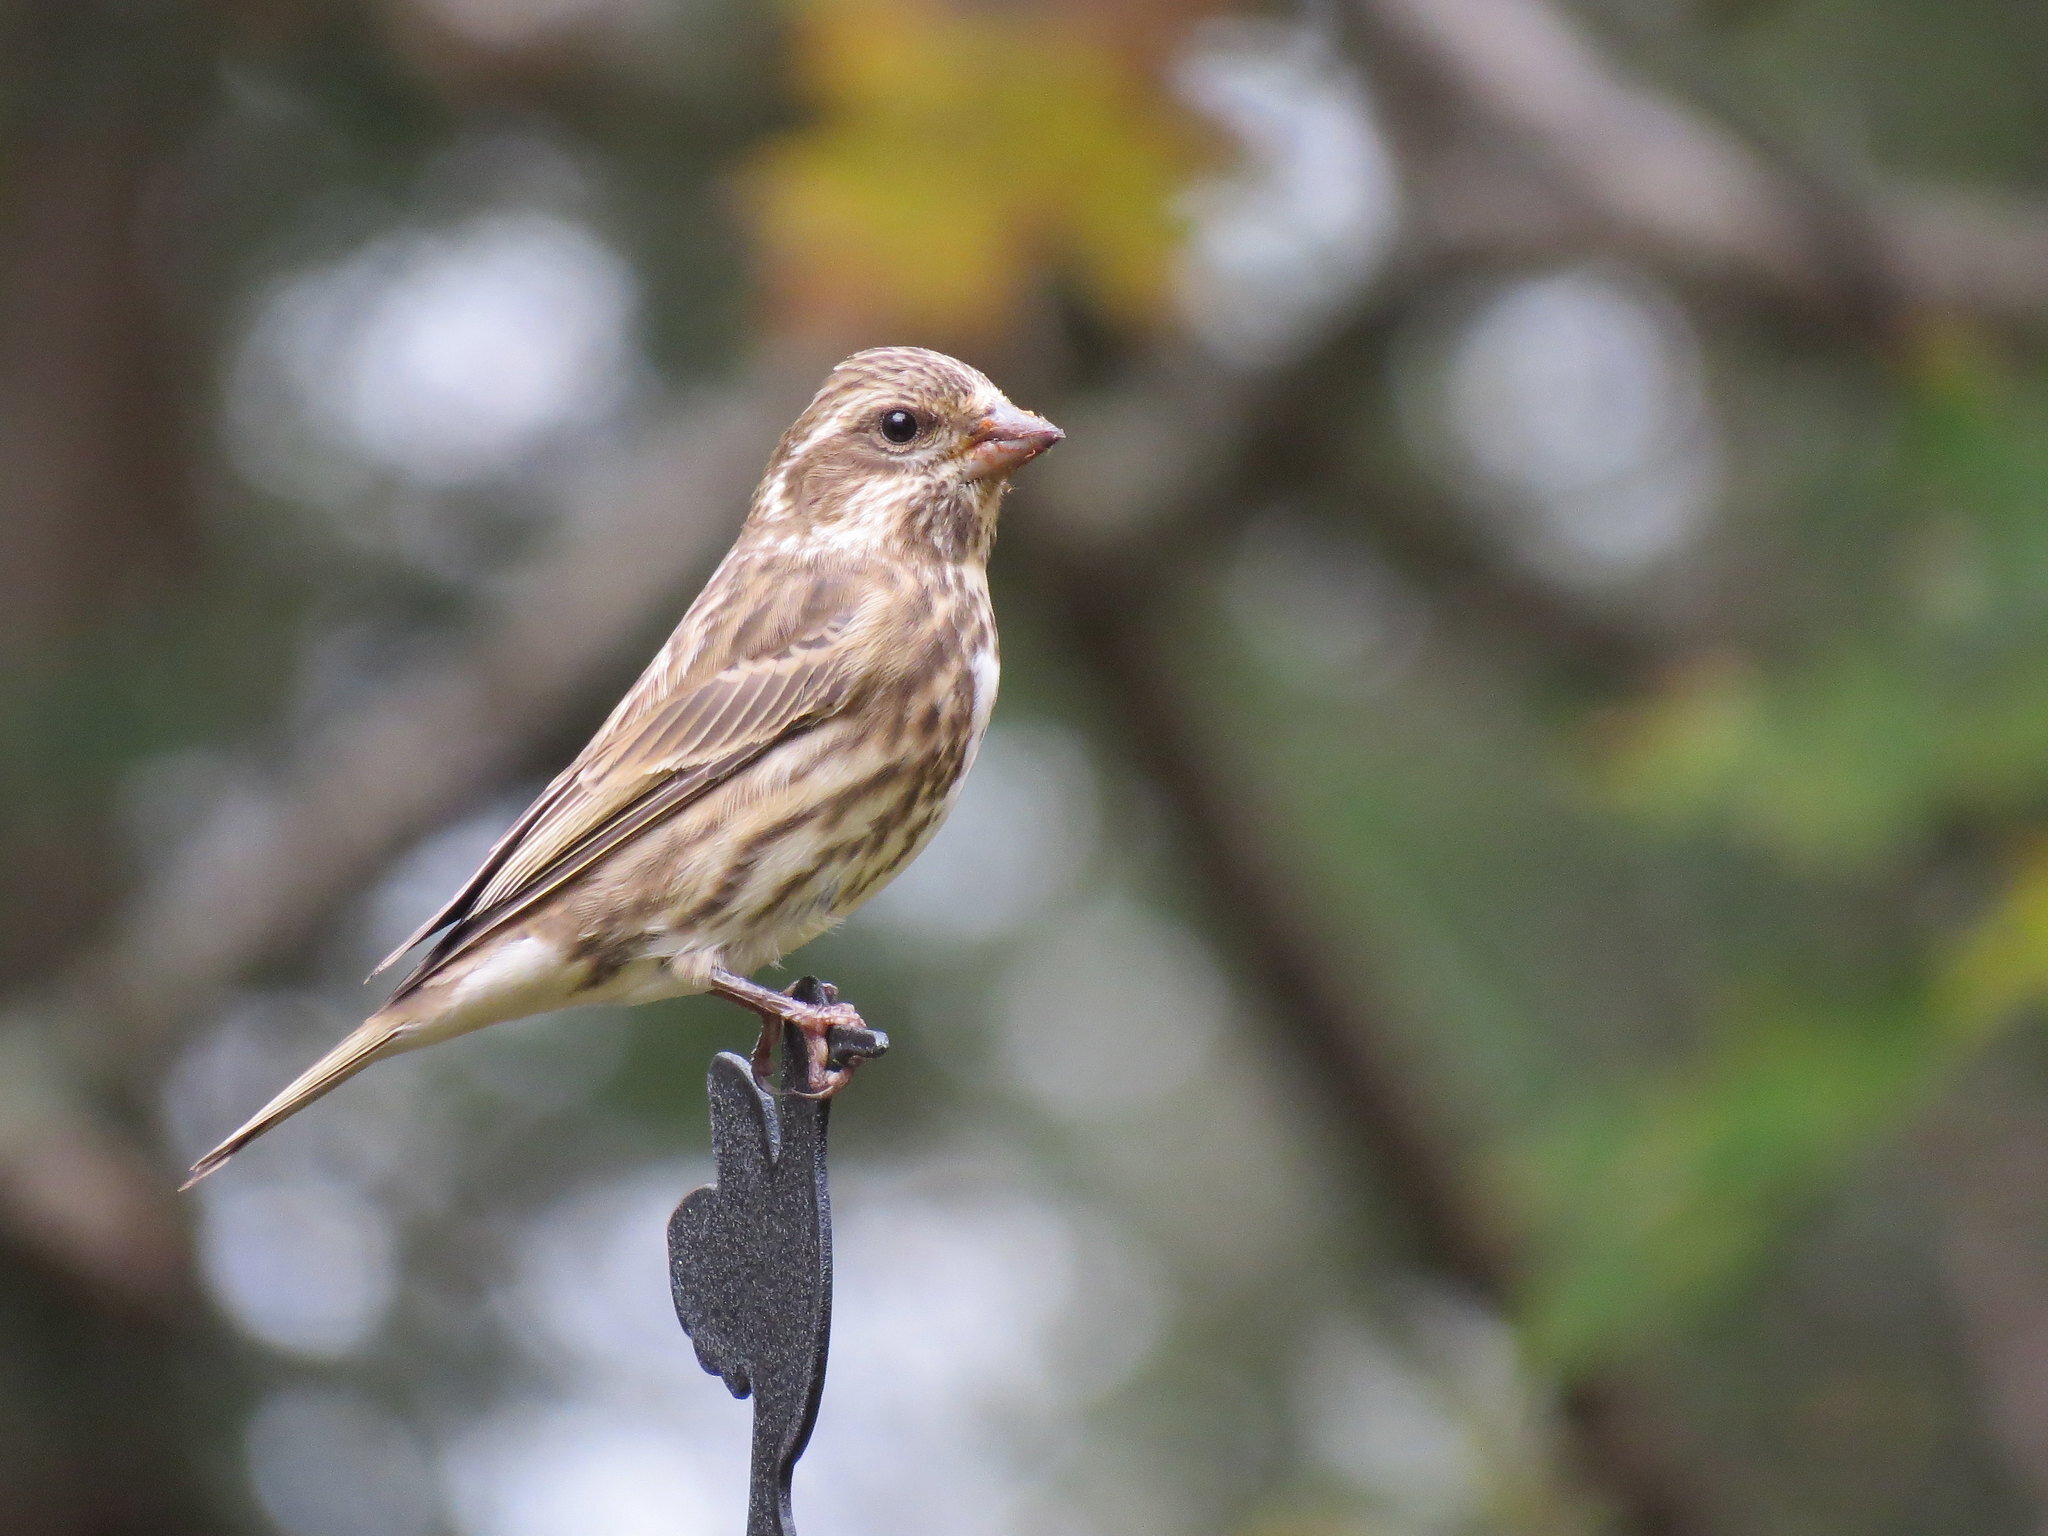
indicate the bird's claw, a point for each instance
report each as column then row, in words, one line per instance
column 836, row 1040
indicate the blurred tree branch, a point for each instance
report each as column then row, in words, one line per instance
column 1106, row 577
column 96, row 513
column 1520, row 140
column 1289, row 441
column 96, row 504
column 96, row 521
column 1375, row 1096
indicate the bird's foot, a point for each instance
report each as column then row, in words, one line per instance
column 836, row 1040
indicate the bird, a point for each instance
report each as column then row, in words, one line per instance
column 791, row 747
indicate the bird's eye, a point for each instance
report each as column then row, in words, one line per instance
column 899, row 426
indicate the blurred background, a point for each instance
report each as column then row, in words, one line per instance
column 1483, row 981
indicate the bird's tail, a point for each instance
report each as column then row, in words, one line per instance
column 379, row 1035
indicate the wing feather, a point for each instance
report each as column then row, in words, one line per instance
column 453, row 908
column 672, row 739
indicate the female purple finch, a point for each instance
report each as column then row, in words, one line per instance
column 794, row 744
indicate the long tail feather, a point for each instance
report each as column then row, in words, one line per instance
column 376, row 1036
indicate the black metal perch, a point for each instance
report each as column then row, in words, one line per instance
column 750, row 1256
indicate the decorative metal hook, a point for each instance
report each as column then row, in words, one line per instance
column 750, row 1256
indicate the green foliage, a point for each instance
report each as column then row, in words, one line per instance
column 1931, row 706
column 1651, row 1204
column 1843, row 765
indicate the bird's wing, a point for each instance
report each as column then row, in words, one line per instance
column 709, row 705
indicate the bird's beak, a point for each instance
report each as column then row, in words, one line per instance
column 1005, row 438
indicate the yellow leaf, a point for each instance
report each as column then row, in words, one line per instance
column 956, row 159
column 2002, row 964
column 1683, row 749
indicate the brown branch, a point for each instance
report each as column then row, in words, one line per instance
column 1334, row 1022
column 1331, row 1020
column 1186, row 452
column 94, row 428
column 1285, row 439
column 1101, row 568
column 94, row 515
column 1524, row 140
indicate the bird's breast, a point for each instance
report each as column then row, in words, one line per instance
column 825, row 818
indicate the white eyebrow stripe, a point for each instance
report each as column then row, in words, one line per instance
column 810, row 439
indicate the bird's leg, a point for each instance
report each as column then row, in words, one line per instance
column 763, row 1054
column 830, row 1062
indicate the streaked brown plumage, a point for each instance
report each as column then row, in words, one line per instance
column 793, row 745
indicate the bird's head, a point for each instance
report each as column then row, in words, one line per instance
column 901, row 448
